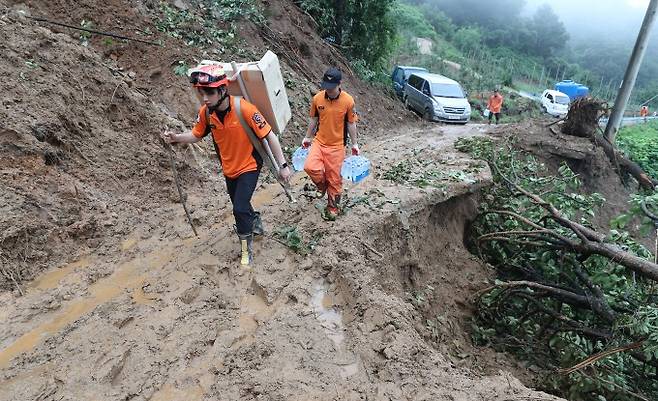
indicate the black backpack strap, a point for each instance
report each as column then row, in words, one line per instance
column 209, row 127
column 345, row 130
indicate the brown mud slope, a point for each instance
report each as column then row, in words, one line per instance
column 81, row 161
column 167, row 316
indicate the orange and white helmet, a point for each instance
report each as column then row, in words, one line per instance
column 209, row 76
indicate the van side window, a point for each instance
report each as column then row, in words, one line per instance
column 426, row 88
column 419, row 83
column 549, row 96
column 413, row 81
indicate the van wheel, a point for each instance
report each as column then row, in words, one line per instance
column 544, row 109
column 427, row 115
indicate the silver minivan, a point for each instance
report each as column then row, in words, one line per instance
column 437, row 98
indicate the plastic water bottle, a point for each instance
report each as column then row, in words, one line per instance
column 355, row 168
column 299, row 158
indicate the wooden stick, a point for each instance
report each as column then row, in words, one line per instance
column 594, row 358
column 180, row 191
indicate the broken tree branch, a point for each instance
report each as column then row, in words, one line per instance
column 601, row 355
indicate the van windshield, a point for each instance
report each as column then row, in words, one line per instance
column 447, row 90
column 562, row 99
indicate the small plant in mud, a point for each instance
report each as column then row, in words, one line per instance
column 180, row 68
column 293, row 239
column 374, row 199
column 568, row 297
column 85, row 36
column 420, row 297
column 425, row 173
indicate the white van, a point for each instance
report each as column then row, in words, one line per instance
column 555, row 103
column 437, row 98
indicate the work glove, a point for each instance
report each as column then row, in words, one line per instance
column 355, row 150
column 306, row 142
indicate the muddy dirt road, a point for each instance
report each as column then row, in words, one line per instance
column 167, row 316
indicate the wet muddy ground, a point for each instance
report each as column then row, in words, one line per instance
column 168, row 316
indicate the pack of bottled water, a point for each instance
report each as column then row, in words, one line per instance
column 299, row 158
column 355, row 168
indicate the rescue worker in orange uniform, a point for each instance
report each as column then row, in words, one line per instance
column 241, row 164
column 644, row 112
column 494, row 105
column 332, row 113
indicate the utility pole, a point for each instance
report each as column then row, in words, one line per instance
column 631, row 73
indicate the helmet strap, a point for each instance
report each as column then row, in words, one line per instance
column 224, row 96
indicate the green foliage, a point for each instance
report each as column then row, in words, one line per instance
column 85, row 36
column 363, row 29
column 646, row 225
column 640, row 142
column 208, row 23
column 542, row 35
column 468, row 39
column 425, row 173
column 547, row 330
column 181, row 68
column 548, row 34
column 293, row 239
column 411, row 23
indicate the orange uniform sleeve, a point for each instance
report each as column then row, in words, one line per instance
column 199, row 128
column 314, row 108
column 352, row 115
column 255, row 120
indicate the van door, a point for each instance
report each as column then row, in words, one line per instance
column 411, row 90
column 425, row 98
column 398, row 81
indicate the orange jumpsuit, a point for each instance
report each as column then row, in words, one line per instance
column 327, row 153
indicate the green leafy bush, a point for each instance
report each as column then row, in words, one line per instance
column 553, row 305
column 640, row 142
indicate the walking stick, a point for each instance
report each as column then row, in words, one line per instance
column 180, row 191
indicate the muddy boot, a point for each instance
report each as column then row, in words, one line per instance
column 257, row 228
column 320, row 190
column 332, row 210
column 247, row 251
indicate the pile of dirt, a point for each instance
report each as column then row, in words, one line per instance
column 80, row 156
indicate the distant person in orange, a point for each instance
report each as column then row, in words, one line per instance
column 241, row 164
column 644, row 112
column 494, row 105
column 332, row 117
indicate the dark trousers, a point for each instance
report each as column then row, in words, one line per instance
column 491, row 114
column 240, row 190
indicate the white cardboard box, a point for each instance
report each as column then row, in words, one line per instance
column 264, row 88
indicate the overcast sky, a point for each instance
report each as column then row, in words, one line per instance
column 610, row 19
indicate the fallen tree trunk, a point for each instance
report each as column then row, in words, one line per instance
column 583, row 121
column 623, row 164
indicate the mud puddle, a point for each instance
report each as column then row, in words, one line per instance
column 52, row 278
column 331, row 320
column 128, row 276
